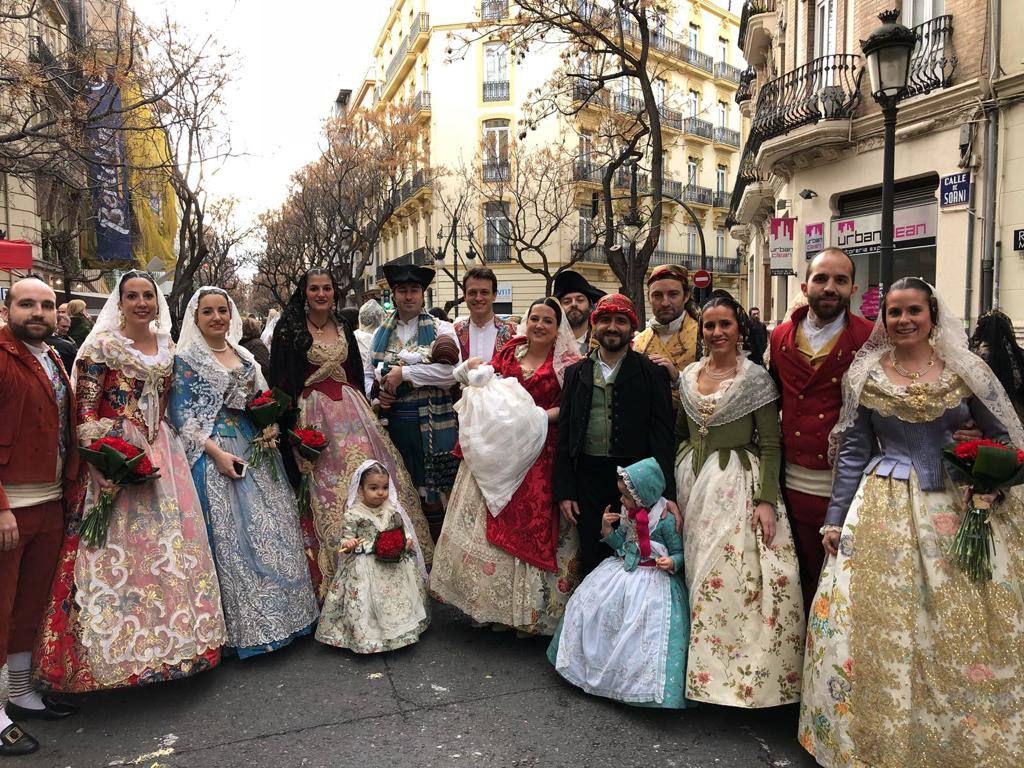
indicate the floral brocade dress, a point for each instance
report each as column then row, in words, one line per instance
column 472, row 571
column 373, row 605
column 337, row 407
column 910, row 663
column 146, row 606
column 746, row 607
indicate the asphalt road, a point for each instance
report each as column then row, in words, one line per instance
column 460, row 697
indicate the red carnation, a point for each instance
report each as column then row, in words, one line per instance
column 122, row 464
column 144, row 467
column 390, row 545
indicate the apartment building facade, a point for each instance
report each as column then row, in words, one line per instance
column 813, row 152
column 471, row 104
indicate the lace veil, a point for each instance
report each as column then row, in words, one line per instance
column 109, row 319
column 567, row 351
column 192, row 344
column 950, row 343
column 353, row 497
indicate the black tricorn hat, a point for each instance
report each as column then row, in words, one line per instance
column 396, row 274
column 573, row 282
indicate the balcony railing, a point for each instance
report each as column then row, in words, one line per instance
column 421, row 102
column 497, row 253
column 697, row 58
column 752, row 8
column 497, row 170
column 728, row 136
column 671, row 118
column 668, row 45
column 627, row 104
column 728, row 72
column 695, row 194
column 746, row 90
column 622, row 179
column 420, row 25
column 721, row 199
column 582, row 91
column 494, row 10
column 826, row 88
column 422, row 257
column 933, row 61
column 584, row 170
column 588, row 253
column 697, row 127
column 39, row 52
column 420, row 179
column 496, row 90
column 727, row 265
column 671, row 187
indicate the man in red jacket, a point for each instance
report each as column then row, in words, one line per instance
column 38, row 458
column 810, row 352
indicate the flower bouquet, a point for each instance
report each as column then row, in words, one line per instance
column 121, row 463
column 309, row 443
column 989, row 466
column 390, row 545
column 265, row 410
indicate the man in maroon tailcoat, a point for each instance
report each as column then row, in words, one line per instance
column 810, row 352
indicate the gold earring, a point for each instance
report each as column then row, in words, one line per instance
column 120, row 318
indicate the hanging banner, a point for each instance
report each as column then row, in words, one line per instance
column 814, row 239
column 108, row 183
column 780, row 246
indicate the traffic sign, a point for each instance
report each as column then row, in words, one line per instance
column 701, row 279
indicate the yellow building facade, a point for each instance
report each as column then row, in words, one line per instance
column 471, row 98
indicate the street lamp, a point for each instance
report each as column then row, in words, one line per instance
column 439, row 257
column 888, row 50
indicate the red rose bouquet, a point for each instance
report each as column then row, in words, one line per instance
column 121, row 463
column 989, row 467
column 265, row 410
column 309, row 443
column 390, row 545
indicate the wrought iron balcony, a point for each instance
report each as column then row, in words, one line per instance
column 422, row 257
column 671, row 187
column 496, row 90
column 695, row 194
column 582, row 91
column 585, row 170
column 697, row 58
column 721, row 199
column 496, row 170
column 497, row 252
column 680, row 258
column 752, row 8
column 933, row 61
column 628, row 105
column 588, row 253
column 422, row 178
column 728, row 136
column 421, row 102
column 728, row 72
column 494, row 10
column 39, row 52
column 420, row 25
column 697, row 127
column 826, row 88
column 670, row 118
column 669, row 46
column 622, row 180
column 726, row 265
column 746, row 90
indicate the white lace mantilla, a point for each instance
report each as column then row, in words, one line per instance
column 751, row 389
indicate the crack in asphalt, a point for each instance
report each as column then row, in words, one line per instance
column 417, row 708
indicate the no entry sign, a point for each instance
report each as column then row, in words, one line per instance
column 701, row 279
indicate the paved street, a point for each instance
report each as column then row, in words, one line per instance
column 460, row 697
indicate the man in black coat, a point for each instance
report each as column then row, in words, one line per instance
column 757, row 337
column 616, row 409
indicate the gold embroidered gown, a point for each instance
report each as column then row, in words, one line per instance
column 910, row 664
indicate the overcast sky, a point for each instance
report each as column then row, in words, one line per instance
column 294, row 57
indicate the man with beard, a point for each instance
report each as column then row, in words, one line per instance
column 577, row 298
column 616, row 409
column 65, row 347
column 757, row 336
column 810, row 352
column 671, row 338
column 38, row 460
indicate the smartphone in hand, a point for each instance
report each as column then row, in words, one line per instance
column 239, row 467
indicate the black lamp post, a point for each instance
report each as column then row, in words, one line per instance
column 440, row 253
column 888, row 50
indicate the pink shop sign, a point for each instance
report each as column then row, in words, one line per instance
column 912, row 226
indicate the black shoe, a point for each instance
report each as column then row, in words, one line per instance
column 14, row 742
column 54, row 710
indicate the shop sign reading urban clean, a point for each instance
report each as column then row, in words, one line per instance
column 912, row 227
column 781, row 246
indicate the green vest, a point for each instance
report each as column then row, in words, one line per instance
column 599, row 426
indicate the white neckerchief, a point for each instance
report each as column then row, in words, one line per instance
column 607, row 371
column 665, row 332
column 817, row 337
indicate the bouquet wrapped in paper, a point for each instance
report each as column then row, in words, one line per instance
column 989, row 467
column 121, row 463
column 265, row 410
column 309, row 443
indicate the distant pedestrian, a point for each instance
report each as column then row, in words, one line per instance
column 577, row 297
column 252, row 342
column 995, row 342
column 757, row 337
column 81, row 323
column 439, row 313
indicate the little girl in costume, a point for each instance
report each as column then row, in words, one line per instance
column 626, row 629
column 378, row 599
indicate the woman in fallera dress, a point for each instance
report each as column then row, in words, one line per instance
column 519, row 567
column 252, row 517
column 315, row 358
column 747, row 618
column 909, row 662
column 144, row 607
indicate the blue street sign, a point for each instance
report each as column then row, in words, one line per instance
column 955, row 189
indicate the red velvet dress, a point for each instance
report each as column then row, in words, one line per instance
column 528, row 526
